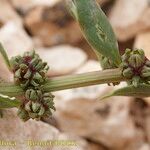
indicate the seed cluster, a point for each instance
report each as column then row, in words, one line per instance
column 30, row 73
column 136, row 66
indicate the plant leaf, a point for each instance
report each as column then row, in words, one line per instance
column 142, row 90
column 96, row 29
column 5, row 56
column 8, row 102
column 72, row 8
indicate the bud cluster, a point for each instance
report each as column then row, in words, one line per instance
column 30, row 73
column 136, row 66
column 29, row 70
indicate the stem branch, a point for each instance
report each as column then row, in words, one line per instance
column 71, row 81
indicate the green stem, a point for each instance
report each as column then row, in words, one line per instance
column 71, row 81
column 85, row 79
column 11, row 90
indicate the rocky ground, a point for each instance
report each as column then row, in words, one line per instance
column 119, row 123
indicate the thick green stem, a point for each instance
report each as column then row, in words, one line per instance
column 11, row 90
column 85, row 79
column 71, row 81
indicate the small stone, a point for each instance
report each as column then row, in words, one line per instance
column 89, row 66
column 25, row 135
column 7, row 13
column 62, row 59
column 145, row 146
column 25, row 5
column 142, row 41
column 100, row 121
column 53, row 25
column 76, row 143
column 148, row 127
column 5, row 75
column 128, row 18
column 13, row 129
column 81, row 144
column 15, row 41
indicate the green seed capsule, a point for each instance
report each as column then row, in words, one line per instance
column 34, row 109
column 33, row 115
column 48, row 113
column 28, row 74
column 41, row 111
column 23, row 114
column 136, row 61
column 44, row 64
column 28, row 106
column 35, row 61
column 126, row 55
column 15, row 61
column 23, row 66
column 51, row 105
column 35, row 106
column 46, row 68
column 136, row 81
column 145, row 72
column 32, row 94
column 46, row 94
column 38, row 77
column 29, row 53
column 18, row 73
column 46, row 99
column 128, row 73
column 25, row 84
column 35, row 84
column 147, row 63
column 32, row 53
column 39, row 65
column 39, row 93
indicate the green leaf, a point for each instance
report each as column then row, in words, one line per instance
column 72, row 9
column 8, row 102
column 96, row 29
column 5, row 56
column 142, row 90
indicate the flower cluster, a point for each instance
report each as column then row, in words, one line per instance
column 30, row 73
column 136, row 66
